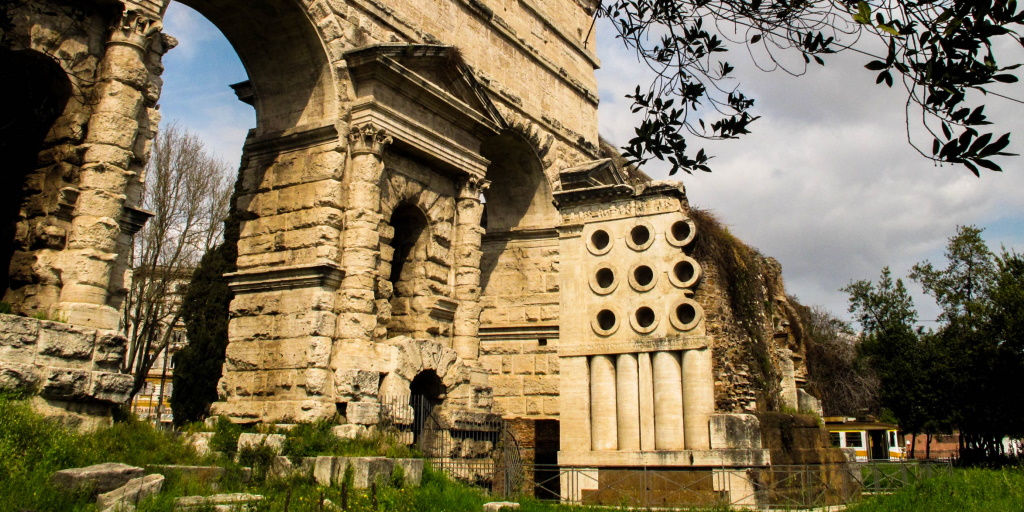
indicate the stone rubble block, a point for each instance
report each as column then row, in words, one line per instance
column 17, row 331
column 19, row 377
column 735, row 431
column 207, row 474
column 363, row 413
column 274, row 441
column 130, row 493
column 497, row 506
column 199, row 441
column 348, row 431
column 219, row 502
column 98, row 477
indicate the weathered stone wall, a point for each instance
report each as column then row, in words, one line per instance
column 63, row 364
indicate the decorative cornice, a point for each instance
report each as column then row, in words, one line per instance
column 132, row 219
column 326, row 275
column 368, row 139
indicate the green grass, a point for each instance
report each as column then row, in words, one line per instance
column 962, row 490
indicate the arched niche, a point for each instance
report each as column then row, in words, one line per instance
column 519, row 197
column 408, row 244
column 287, row 64
column 35, row 92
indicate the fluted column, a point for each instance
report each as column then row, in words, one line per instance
column 361, row 240
column 668, row 401
column 698, row 398
column 627, row 399
column 646, row 389
column 604, row 428
column 92, row 243
column 468, row 235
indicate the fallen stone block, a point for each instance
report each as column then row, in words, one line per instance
column 130, row 493
column 199, row 441
column 98, row 477
column 274, row 441
column 496, row 506
column 206, row 474
column 219, row 502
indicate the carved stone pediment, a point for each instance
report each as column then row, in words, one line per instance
column 427, row 99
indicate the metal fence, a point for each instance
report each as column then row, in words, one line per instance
column 777, row 487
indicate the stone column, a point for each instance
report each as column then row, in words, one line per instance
column 91, row 253
column 646, row 379
column 668, row 401
column 468, row 234
column 604, row 428
column 574, row 404
column 627, row 398
column 698, row 398
column 357, row 317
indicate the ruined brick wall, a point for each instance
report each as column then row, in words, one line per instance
column 758, row 357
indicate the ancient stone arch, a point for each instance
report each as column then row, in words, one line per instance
column 365, row 112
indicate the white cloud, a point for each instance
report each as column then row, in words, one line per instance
column 827, row 183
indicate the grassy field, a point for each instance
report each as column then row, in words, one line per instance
column 963, row 490
column 32, row 448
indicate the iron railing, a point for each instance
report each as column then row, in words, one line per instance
column 809, row 486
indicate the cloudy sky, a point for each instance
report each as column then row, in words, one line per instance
column 826, row 183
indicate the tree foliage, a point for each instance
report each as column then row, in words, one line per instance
column 942, row 52
column 187, row 194
column 836, row 372
column 956, row 377
column 197, row 366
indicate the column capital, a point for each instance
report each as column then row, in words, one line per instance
column 135, row 28
column 368, row 139
column 472, row 186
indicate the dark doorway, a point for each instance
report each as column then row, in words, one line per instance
column 545, row 456
column 426, row 393
column 879, row 445
column 33, row 93
column 409, row 244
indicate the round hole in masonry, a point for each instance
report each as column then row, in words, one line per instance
column 681, row 230
column 644, row 317
column 683, row 271
column 686, row 313
column 640, row 235
column 600, row 239
column 606, row 319
column 605, row 277
column 643, row 275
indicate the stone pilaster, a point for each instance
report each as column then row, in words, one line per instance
column 357, row 316
column 91, row 254
column 468, row 235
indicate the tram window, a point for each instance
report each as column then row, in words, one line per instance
column 853, row 440
column 836, row 439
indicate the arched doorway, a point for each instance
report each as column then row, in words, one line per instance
column 426, row 393
column 409, row 226
column 33, row 94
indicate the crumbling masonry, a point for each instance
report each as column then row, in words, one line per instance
column 425, row 209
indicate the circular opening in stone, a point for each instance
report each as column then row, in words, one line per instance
column 643, row 275
column 686, row 313
column 640, row 235
column 684, row 271
column 605, row 277
column 680, row 230
column 600, row 239
column 605, row 319
column 645, row 317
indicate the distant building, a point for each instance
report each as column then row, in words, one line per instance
column 152, row 402
column 870, row 440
